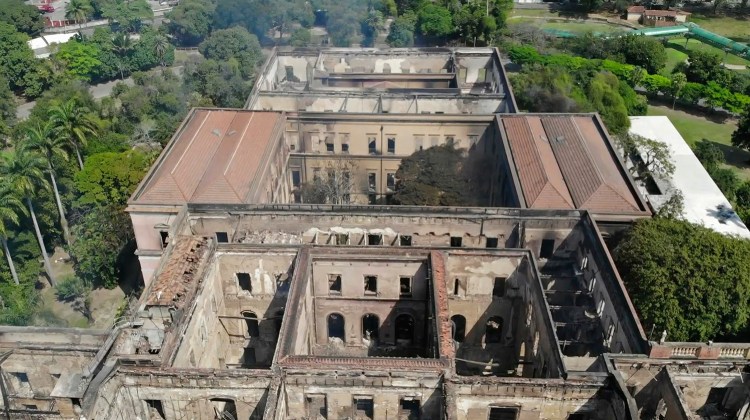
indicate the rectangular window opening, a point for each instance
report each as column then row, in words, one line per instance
column 456, row 287
column 547, row 248
column 503, row 413
column 371, row 146
column 244, row 281
column 334, row 284
column 363, row 408
column 492, row 242
column 391, row 145
column 405, row 286
column 498, row 289
column 296, row 179
column 329, row 147
column 390, row 181
column 409, row 409
column 404, row 240
column 372, row 181
column 222, row 237
column 164, row 238
column 344, row 147
column 371, row 285
column 456, row 241
column 374, row 239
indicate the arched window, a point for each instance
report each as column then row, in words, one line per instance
column 404, row 329
column 458, row 322
column 251, row 320
column 493, row 330
column 336, row 326
column 370, row 326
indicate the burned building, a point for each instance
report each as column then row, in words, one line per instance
column 257, row 305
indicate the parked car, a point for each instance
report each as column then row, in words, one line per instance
column 45, row 8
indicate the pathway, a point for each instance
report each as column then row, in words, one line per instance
column 97, row 91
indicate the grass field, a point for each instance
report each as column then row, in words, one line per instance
column 678, row 44
column 695, row 128
column 735, row 28
column 571, row 25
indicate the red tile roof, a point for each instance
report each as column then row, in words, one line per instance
column 660, row 13
column 176, row 281
column 213, row 158
column 565, row 161
column 636, row 9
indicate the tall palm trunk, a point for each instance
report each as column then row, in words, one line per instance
column 63, row 220
column 78, row 154
column 47, row 265
column 4, row 240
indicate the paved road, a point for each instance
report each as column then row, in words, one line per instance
column 97, row 91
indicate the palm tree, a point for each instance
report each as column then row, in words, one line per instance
column 123, row 44
column 73, row 123
column 161, row 45
column 43, row 140
column 25, row 174
column 78, row 10
column 10, row 207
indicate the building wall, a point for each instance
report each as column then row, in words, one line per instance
column 354, row 302
column 386, row 391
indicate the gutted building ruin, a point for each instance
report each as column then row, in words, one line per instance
column 259, row 305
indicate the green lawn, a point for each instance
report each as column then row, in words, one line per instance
column 678, row 45
column 674, row 57
column 694, row 128
column 731, row 27
column 571, row 25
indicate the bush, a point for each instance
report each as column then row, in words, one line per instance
column 70, row 288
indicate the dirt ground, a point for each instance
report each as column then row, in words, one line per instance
column 52, row 312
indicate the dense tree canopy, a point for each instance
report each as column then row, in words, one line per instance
column 234, row 43
column 25, row 17
column 687, row 279
column 440, row 176
column 108, row 179
column 434, row 23
column 191, row 21
column 16, row 58
column 741, row 136
column 402, row 31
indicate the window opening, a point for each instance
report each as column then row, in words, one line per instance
column 493, row 332
column 492, row 242
column 371, row 284
column 222, row 237
column 363, row 408
column 251, row 320
column 244, row 281
column 458, row 322
column 404, row 240
column 456, row 241
column 503, row 413
column 408, row 409
column 547, row 248
column 498, row 290
column 336, row 326
column 405, row 286
column 374, row 239
column 370, row 326
column 334, row 284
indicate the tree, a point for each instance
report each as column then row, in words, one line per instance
column 110, row 178
column 81, row 60
column 74, row 124
column 42, row 139
column 638, row 50
column 727, row 181
column 161, row 46
column 741, row 136
column 371, row 24
column 703, row 66
column 234, row 43
column 300, row 38
column 651, row 158
column 402, row 31
column 334, row 186
column 78, row 10
column 674, row 206
column 709, row 154
column 679, row 80
column 25, row 17
column 603, row 95
column 128, row 13
column 25, row 174
column 74, row 290
column 718, row 4
column 473, row 22
column 434, row 22
column 440, row 176
column 191, row 21
column 16, row 57
column 591, row 5
column 10, row 209
column 122, row 44
column 686, row 279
